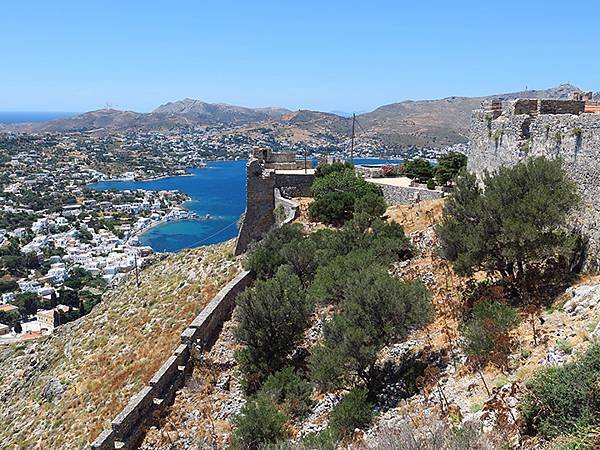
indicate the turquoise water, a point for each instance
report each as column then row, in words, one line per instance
column 218, row 190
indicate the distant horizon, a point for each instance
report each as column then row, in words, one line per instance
column 62, row 114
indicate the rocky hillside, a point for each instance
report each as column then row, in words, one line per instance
column 412, row 412
column 61, row 391
column 424, row 123
column 441, row 122
column 218, row 112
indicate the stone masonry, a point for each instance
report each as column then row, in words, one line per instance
column 563, row 129
column 266, row 172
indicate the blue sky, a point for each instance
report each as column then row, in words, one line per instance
column 326, row 55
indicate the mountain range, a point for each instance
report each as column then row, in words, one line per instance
column 423, row 123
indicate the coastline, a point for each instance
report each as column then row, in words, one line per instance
column 208, row 202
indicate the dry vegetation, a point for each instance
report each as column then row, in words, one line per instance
column 99, row 361
column 450, row 393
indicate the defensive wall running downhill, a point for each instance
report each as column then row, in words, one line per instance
column 129, row 425
column 507, row 133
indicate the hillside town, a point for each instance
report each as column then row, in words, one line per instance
column 62, row 243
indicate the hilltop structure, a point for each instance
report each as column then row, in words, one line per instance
column 510, row 132
column 271, row 179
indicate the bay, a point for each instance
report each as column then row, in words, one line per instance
column 219, row 189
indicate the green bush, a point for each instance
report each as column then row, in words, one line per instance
column 289, row 391
column 376, row 309
column 449, row 166
column 266, row 256
column 561, row 400
column 485, row 333
column 332, row 207
column 330, row 281
column 336, row 193
column 272, row 317
column 259, row 423
column 431, row 184
column 371, row 203
column 419, row 169
column 326, row 367
column 514, row 221
column 353, row 411
column 325, row 169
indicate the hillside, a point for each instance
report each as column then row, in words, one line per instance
column 60, row 392
column 410, row 409
column 439, row 122
column 423, row 123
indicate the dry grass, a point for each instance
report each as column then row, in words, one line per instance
column 104, row 358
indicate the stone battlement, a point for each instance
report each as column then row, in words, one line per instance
column 261, row 182
column 128, row 427
column 516, row 130
column 278, row 160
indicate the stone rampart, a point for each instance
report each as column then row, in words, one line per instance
column 574, row 137
column 127, row 429
column 402, row 195
column 261, row 183
column 290, row 208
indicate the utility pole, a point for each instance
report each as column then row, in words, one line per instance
column 137, row 275
column 352, row 142
column 305, row 170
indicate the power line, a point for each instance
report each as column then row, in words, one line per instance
column 194, row 244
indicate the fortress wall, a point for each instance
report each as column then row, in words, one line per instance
column 290, row 208
column 260, row 203
column 401, row 195
column 294, row 185
column 128, row 427
column 260, row 200
column 510, row 139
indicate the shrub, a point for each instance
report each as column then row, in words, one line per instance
column 326, row 367
column 516, row 220
column 335, row 195
column 561, row 400
column 258, row 423
column 386, row 240
column 289, row 391
column 353, row 411
column 564, row 346
column 330, row 281
column 431, row 184
column 325, row 169
column 371, row 204
column 266, row 256
column 449, row 166
column 272, row 317
column 485, row 333
column 332, row 207
column 376, row 309
column 323, row 440
column 419, row 169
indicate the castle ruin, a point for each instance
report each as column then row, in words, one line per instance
column 270, row 178
column 510, row 132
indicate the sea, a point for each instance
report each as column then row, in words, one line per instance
column 219, row 190
column 26, row 117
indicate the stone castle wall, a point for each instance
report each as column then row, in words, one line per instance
column 128, row 427
column 261, row 183
column 542, row 128
column 407, row 195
